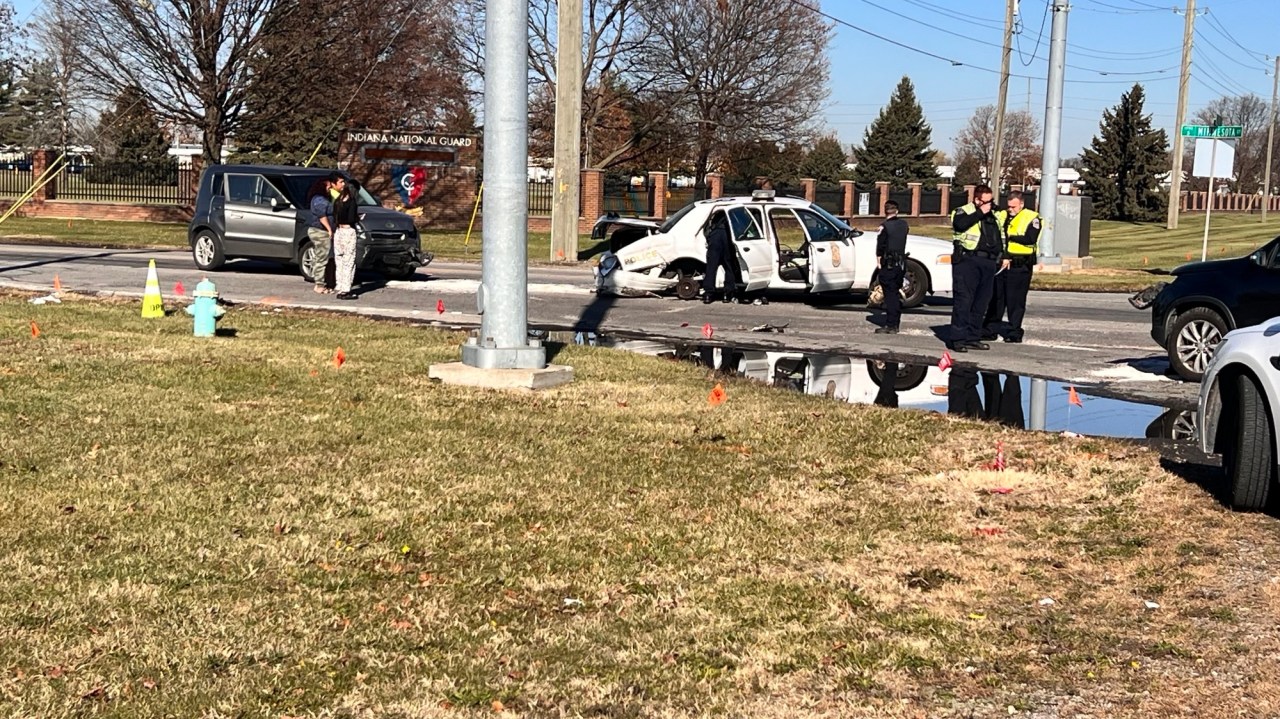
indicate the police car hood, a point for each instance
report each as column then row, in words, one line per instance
column 927, row 246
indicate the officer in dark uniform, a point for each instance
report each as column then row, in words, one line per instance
column 720, row 253
column 1021, row 228
column 891, row 258
column 978, row 248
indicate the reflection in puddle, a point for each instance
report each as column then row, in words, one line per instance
column 993, row 396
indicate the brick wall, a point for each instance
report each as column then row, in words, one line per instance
column 71, row 210
column 449, row 163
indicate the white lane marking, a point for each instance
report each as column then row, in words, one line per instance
column 448, row 286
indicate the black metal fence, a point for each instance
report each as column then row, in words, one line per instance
column 930, row 202
column 679, row 197
column 625, row 198
column 830, row 197
column 15, row 175
column 161, row 183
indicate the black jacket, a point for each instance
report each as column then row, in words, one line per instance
column 990, row 240
column 346, row 209
column 892, row 239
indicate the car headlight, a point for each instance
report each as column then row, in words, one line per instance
column 943, row 260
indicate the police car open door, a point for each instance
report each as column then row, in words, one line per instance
column 755, row 253
column 830, row 254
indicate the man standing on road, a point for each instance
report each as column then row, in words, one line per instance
column 978, row 248
column 891, row 258
column 1021, row 230
column 719, row 254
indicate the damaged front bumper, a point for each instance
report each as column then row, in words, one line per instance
column 1145, row 298
column 611, row 279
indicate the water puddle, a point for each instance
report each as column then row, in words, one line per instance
column 993, row 396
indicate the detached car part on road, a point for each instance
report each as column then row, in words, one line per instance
column 260, row 212
column 1239, row 403
column 782, row 243
column 1205, row 300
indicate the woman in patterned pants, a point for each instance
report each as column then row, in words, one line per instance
column 346, row 213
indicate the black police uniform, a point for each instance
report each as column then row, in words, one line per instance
column 891, row 250
column 972, row 275
column 1013, row 284
column 720, row 253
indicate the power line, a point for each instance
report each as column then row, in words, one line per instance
column 1122, row 10
column 1228, row 56
column 993, row 23
column 1039, row 39
column 1216, row 25
column 958, row 63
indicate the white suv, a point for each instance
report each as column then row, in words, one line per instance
column 1239, row 403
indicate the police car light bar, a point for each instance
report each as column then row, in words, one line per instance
column 763, row 194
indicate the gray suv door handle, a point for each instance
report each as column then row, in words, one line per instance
column 236, row 216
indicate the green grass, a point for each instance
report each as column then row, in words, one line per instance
column 235, row 527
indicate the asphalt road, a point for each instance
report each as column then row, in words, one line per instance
column 1094, row 339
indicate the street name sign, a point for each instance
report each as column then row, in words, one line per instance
column 1221, row 131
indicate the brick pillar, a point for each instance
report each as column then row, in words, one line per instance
column 39, row 163
column 810, row 186
column 850, row 193
column 658, row 185
column 944, row 208
column 192, row 186
column 915, row 198
column 883, row 189
column 968, row 190
column 715, row 185
column 592, row 197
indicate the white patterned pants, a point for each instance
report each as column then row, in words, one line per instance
column 344, row 251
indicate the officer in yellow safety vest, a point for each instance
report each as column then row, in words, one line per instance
column 1021, row 228
column 979, row 245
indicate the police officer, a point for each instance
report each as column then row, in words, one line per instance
column 891, row 258
column 720, row 253
column 1021, row 230
column 978, row 248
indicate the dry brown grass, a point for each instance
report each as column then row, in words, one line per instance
column 235, row 528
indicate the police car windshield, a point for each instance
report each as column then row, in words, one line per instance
column 672, row 220
column 830, row 217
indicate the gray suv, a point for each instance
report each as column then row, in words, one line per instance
column 260, row 212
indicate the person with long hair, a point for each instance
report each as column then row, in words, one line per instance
column 320, row 229
column 346, row 215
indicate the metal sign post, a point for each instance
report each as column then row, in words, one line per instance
column 1213, row 134
column 1208, row 211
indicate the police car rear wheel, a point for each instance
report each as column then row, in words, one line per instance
column 687, row 288
column 915, row 284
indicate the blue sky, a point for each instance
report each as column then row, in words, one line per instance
column 1130, row 39
column 1233, row 54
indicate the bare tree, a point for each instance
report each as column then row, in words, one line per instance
column 190, row 58
column 1251, row 112
column 56, row 32
column 975, row 148
column 735, row 71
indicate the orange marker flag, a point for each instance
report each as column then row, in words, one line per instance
column 339, row 358
column 945, row 363
column 1188, row 257
column 1073, row 398
column 57, row 284
column 439, row 307
column 1144, row 262
column 35, row 329
column 717, row 396
column 708, row 331
column 178, row 289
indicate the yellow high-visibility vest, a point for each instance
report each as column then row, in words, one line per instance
column 970, row 237
column 1017, row 229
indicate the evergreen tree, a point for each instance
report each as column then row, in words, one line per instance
column 895, row 147
column 10, row 122
column 1121, row 165
column 825, row 162
column 38, row 106
column 132, row 142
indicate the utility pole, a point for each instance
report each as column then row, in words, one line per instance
column 1175, row 172
column 503, row 296
column 997, row 156
column 1048, row 196
column 1271, row 137
column 568, row 158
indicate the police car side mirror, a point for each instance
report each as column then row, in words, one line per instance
column 852, row 233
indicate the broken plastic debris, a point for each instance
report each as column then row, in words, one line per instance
column 1069, row 433
column 46, row 299
column 1150, row 604
column 573, row 602
column 1047, row 602
column 1000, row 490
column 771, row 327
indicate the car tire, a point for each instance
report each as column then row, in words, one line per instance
column 916, row 280
column 1193, row 338
column 1249, row 457
column 307, row 261
column 206, row 251
column 908, row 377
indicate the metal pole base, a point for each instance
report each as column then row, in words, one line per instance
column 488, row 356
column 1039, row 403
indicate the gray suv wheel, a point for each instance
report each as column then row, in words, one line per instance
column 206, row 250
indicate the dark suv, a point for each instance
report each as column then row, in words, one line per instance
column 1205, row 300
column 260, row 212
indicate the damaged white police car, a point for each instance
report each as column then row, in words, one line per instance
column 783, row 243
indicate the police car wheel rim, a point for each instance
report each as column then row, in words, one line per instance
column 204, row 249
